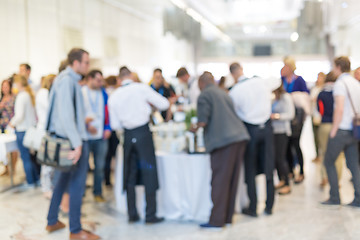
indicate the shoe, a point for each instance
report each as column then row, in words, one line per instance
column 57, row 226
column 285, row 190
column 331, row 202
column 280, row 185
column 316, row 160
column 26, row 187
column 99, row 199
column 299, row 179
column 248, row 212
column 154, row 220
column 209, row 227
column 323, row 183
column 268, row 211
column 354, row 204
column 84, row 235
column 134, row 219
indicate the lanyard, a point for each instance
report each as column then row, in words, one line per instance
column 94, row 106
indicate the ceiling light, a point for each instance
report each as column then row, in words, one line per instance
column 294, row 36
column 344, row 5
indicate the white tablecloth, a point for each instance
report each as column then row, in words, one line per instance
column 7, row 144
column 185, row 190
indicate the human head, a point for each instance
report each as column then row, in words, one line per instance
column 95, row 79
column 79, row 60
column 279, row 91
column 158, row 79
column 341, row 65
column 6, row 87
column 330, row 77
column 25, row 70
column 135, row 77
column 23, row 84
column 47, row 81
column 110, row 81
column 205, row 79
column 289, row 67
column 236, row 70
column 124, row 73
column 357, row 74
column 183, row 75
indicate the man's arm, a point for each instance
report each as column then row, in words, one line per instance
column 337, row 115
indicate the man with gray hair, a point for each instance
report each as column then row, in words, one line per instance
column 225, row 140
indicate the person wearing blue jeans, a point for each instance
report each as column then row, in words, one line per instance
column 99, row 149
column 31, row 172
column 76, row 189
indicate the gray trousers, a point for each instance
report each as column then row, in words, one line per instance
column 343, row 141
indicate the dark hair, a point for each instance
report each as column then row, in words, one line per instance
column 157, row 70
column 75, row 54
column 344, row 63
column 182, row 72
column 222, row 81
column 330, row 77
column 26, row 65
column 124, row 71
column 63, row 64
column 111, row 81
column 10, row 84
column 234, row 66
column 93, row 73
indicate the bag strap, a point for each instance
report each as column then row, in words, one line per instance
column 52, row 106
column 351, row 102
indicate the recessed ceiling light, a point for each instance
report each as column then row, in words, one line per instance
column 294, row 36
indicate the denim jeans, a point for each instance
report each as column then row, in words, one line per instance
column 31, row 171
column 99, row 149
column 74, row 183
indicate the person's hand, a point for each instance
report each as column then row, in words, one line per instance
column 88, row 120
column 333, row 133
column 92, row 130
column 173, row 100
column 275, row 116
column 75, row 154
column 107, row 134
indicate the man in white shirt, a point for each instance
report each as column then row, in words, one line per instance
column 98, row 127
column 188, row 86
column 130, row 108
column 252, row 102
column 346, row 93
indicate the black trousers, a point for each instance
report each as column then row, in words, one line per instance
column 259, row 158
column 294, row 145
column 130, row 191
column 225, row 165
column 113, row 143
column 281, row 142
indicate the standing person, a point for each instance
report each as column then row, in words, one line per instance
column 315, row 115
column 225, row 140
column 41, row 106
column 165, row 89
column 283, row 111
column 252, row 102
column 130, row 109
column 7, row 103
column 188, row 86
column 98, row 126
column 357, row 74
column 25, row 118
column 68, row 121
column 25, row 70
column 113, row 141
column 294, row 83
column 325, row 102
column 346, row 93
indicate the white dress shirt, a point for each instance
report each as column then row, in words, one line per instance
column 252, row 98
column 41, row 106
column 129, row 105
column 24, row 117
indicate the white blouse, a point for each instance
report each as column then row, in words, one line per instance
column 24, row 117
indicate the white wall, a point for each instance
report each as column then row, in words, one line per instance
column 41, row 32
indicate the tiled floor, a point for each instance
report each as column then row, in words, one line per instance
column 296, row 217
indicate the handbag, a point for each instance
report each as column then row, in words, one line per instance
column 33, row 137
column 356, row 119
column 54, row 150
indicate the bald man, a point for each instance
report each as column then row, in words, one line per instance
column 225, row 140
